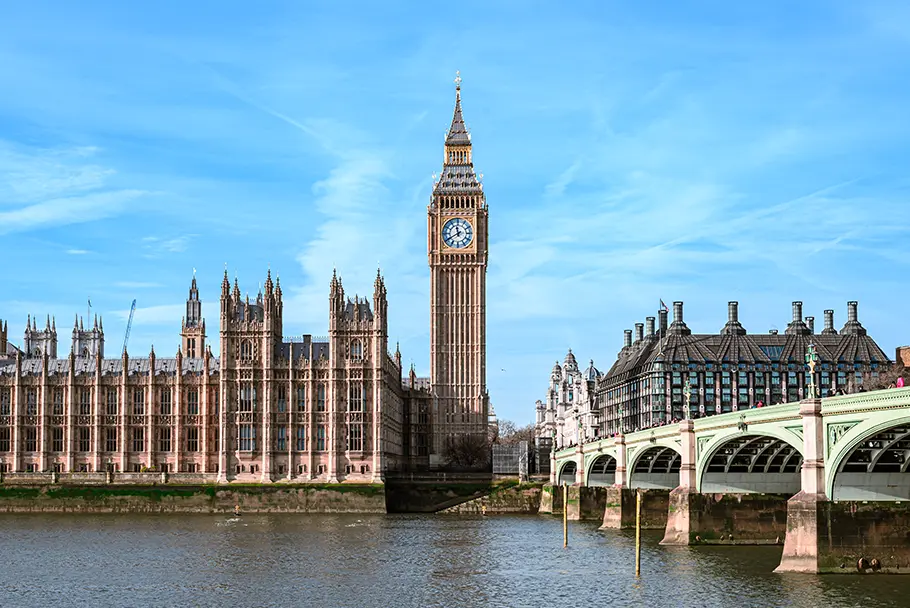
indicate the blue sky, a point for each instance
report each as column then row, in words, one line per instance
column 704, row 152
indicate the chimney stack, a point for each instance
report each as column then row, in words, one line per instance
column 627, row 338
column 732, row 312
column 639, row 332
column 797, row 312
column 773, row 332
column 662, row 316
column 810, row 323
column 829, row 323
column 851, row 311
column 649, row 327
column 677, row 312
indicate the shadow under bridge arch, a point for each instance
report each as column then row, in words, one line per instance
column 602, row 471
column 752, row 464
column 876, row 467
column 656, row 468
column 567, row 473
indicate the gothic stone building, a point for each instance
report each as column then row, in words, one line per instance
column 266, row 409
column 269, row 408
column 569, row 413
column 730, row 370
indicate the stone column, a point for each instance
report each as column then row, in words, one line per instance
column 150, row 413
column 622, row 462
column 266, row 473
column 805, row 510
column 222, row 422
column 580, row 465
column 17, row 415
column 70, row 413
column 553, row 462
column 378, row 476
column 178, row 411
column 332, row 427
column 43, row 417
column 97, row 465
column 124, row 403
column 292, row 408
column 683, row 499
column 206, row 417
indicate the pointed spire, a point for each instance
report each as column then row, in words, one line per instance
column 278, row 287
column 96, row 321
column 236, row 292
column 81, row 328
column 225, row 283
column 269, row 286
column 54, row 324
column 458, row 132
column 100, row 324
column 76, row 323
column 47, row 324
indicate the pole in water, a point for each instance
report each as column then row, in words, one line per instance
column 637, row 533
column 565, row 515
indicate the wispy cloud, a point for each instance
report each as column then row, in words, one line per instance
column 163, row 314
column 155, row 246
column 77, row 251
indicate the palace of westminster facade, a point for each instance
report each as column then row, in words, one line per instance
column 269, row 408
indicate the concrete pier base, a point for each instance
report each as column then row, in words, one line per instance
column 586, row 503
column 619, row 511
column 550, row 500
column 724, row 519
column 801, row 545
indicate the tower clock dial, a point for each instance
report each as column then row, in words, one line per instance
column 457, row 233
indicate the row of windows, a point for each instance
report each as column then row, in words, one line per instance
column 83, row 439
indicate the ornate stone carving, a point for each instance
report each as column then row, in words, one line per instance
column 836, row 432
column 700, row 445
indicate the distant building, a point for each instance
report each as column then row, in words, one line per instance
column 730, row 370
column 569, row 413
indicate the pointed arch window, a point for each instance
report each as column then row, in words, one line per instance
column 356, row 350
column 246, row 350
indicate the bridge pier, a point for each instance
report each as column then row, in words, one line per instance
column 619, row 512
column 550, row 500
column 586, row 503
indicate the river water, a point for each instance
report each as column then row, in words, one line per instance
column 391, row 561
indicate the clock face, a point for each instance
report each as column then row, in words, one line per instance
column 457, row 233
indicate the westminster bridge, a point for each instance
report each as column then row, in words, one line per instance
column 828, row 478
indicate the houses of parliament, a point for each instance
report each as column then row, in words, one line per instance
column 268, row 408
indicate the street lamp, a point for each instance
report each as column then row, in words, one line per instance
column 812, row 361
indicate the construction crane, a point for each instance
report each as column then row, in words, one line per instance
column 129, row 324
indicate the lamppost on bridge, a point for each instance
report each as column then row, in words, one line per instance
column 812, row 361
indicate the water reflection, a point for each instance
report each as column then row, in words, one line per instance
column 385, row 561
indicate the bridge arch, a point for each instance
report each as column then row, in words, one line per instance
column 602, row 471
column 869, row 460
column 567, row 473
column 762, row 461
column 655, row 467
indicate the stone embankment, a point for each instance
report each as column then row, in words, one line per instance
column 252, row 498
column 505, row 497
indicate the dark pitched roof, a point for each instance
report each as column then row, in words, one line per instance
column 458, row 133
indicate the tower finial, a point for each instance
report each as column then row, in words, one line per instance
column 457, row 80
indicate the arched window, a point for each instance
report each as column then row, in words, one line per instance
column 246, row 350
column 357, row 350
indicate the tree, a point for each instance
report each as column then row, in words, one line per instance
column 886, row 378
column 467, row 451
column 510, row 433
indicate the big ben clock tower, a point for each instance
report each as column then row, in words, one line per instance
column 457, row 250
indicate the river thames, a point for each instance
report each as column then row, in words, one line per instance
column 391, row 561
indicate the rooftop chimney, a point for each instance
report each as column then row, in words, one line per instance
column 810, row 323
column 639, row 332
column 649, row 327
column 679, row 326
column 662, row 316
column 796, row 327
column 733, row 325
column 829, row 324
column 773, row 332
column 852, row 326
column 627, row 338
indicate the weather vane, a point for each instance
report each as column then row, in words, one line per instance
column 457, row 79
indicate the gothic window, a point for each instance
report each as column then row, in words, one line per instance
column 320, row 438
column 191, row 347
column 57, row 439
column 356, row 350
column 281, row 438
column 246, row 350
column 214, row 401
column 301, row 439
column 301, row 398
column 192, row 439
column 85, row 402
column 138, row 439
column 165, row 396
column 110, row 440
column 138, row 403
column 4, row 439
column 282, row 398
column 247, row 438
column 111, row 402
column 31, row 439
column 164, row 439
column 355, row 394
column 31, row 402
column 85, row 439
column 192, row 401
column 247, row 397
column 355, row 438
column 320, row 398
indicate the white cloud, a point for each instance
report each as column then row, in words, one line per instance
column 165, row 314
column 62, row 211
column 155, row 246
column 77, row 251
